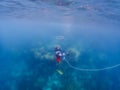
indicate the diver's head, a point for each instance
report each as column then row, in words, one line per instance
column 57, row 48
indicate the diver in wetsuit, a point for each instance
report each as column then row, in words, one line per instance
column 60, row 54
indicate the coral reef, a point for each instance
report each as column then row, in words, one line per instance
column 38, row 71
column 42, row 54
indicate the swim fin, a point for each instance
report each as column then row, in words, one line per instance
column 59, row 72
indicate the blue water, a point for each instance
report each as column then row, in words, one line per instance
column 30, row 30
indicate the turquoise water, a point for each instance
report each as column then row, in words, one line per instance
column 88, row 30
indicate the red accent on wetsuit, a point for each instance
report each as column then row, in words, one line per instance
column 58, row 59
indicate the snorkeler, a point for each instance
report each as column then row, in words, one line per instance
column 60, row 54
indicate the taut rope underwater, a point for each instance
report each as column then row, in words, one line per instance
column 100, row 69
